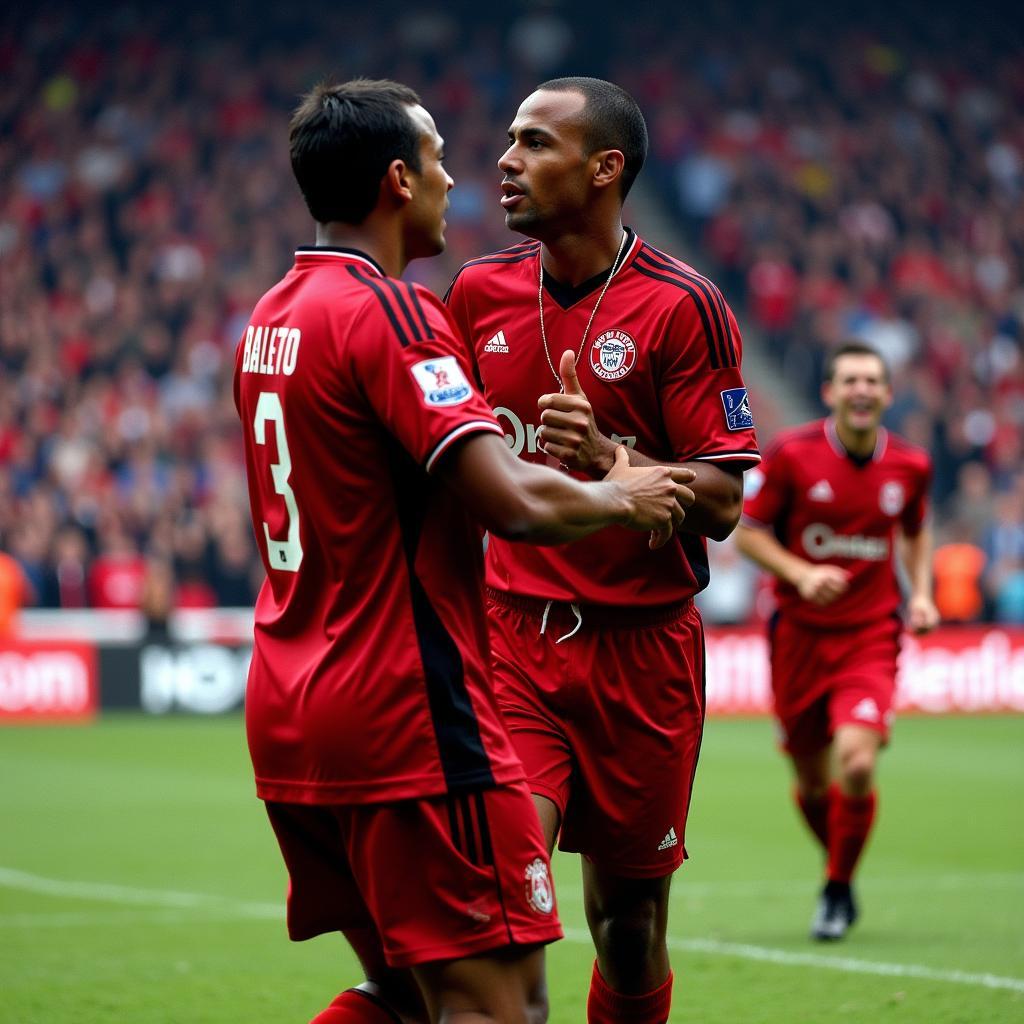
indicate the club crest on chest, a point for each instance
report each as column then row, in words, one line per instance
column 612, row 355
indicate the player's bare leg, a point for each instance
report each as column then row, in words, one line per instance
column 550, row 819
column 856, row 753
column 628, row 919
column 504, row 987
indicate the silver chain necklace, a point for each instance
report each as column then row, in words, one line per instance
column 586, row 330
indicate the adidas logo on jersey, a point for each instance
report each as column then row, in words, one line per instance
column 669, row 841
column 497, row 344
column 866, row 710
column 821, row 491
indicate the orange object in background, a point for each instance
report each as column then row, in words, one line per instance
column 14, row 592
column 957, row 568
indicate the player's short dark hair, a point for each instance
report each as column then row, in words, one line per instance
column 343, row 137
column 854, row 348
column 612, row 120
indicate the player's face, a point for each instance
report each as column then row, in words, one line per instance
column 858, row 393
column 546, row 168
column 425, row 217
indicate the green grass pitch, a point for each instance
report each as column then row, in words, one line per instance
column 140, row 882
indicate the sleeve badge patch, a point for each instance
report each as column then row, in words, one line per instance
column 737, row 409
column 442, row 381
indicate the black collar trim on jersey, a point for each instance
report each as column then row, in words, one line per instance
column 339, row 250
column 567, row 295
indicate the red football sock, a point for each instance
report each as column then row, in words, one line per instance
column 354, row 1006
column 815, row 812
column 849, row 822
column 605, row 1006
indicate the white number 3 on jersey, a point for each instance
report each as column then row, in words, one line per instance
column 281, row 554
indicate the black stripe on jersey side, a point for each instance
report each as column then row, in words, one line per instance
column 382, row 299
column 647, row 256
column 711, row 293
column 487, row 850
column 415, row 299
column 498, row 258
column 396, row 291
column 723, row 343
column 502, row 259
column 463, row 759
column 709, row 336
column 520, row 249
column 697, row 557
column 713, row 290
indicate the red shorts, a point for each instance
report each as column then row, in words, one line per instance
column 439, row 879
column 821, row 680
column 607, row 723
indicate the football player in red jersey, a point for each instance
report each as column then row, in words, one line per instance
column 377, row 744
column 584, row 337
column 825, row 515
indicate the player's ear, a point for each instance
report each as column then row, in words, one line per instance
column 397, row 182
column 608, row 167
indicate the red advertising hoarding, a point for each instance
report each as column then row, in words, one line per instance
column 44, row 681
column 953, row 670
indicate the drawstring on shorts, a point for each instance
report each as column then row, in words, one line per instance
column 575, row 610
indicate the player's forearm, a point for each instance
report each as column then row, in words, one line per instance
column 761, row 547
column 517, row 500
column 553, row 508
column 917, row 560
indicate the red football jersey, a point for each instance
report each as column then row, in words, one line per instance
column 661, row 368
column 828, row 507
column 368, row 679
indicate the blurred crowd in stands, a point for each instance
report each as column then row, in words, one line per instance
column 858, row 181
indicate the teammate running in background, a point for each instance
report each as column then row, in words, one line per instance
column 378, row 748
column 583, row 338
column 825, row 514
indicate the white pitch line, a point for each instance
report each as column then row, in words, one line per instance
column 849, row 965
column 120, row 894
column 108, row 893
column 744, row 888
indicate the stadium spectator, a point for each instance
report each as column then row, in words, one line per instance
column 836, row 499
column 598, row 648
column 376, row 740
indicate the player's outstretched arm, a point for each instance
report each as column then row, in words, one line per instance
column 569, row 433
column 518, row 500
column 819, row 584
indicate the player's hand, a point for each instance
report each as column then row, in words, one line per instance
column 822, row 584
column 922, row 615
column 568, row 430
column 659, row 494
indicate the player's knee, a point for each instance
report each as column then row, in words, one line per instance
column 858, row 770
column 629, row 938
